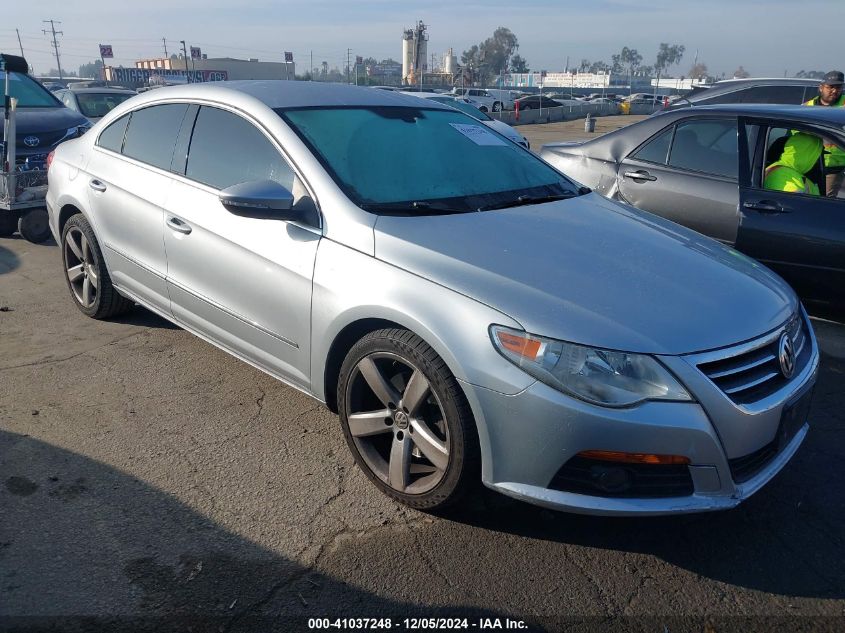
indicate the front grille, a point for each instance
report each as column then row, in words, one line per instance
column 755, row 374
column 46, row 140
column 581, row 475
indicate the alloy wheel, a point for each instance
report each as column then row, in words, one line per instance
column 81, row 267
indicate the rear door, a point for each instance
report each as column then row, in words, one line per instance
column 800, row 236
column 128, row 180
column 688, row 173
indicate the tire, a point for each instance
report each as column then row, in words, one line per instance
column 497, row 107
column 407, row 422
column 34, row 225
column 483, row 109
column 86, row 274
column 8, row 223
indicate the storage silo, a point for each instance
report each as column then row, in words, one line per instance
column 450, row 63
column 414, row 53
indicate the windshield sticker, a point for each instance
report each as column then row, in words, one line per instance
column 478, row 134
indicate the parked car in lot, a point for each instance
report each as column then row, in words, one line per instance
column 41, row 123
column 94, row 103
column 468, row 311
column 704, row 167
column 535, row 102
column 486, row 100
column 788, row 91
column 465, row 106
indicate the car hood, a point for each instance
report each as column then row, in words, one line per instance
column 592, row 271
column 36, row 120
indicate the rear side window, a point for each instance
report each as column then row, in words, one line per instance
column 774, row 94
column 112, row 137
column 152, row 133
column 710, row 147
column 227, row 149
column 657, row 149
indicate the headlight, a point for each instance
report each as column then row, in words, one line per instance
column 77, row 130
column 599, row 376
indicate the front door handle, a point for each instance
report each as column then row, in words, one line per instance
column 97, row 185
column 179, row 226
column 640, row 175
column 765, row 206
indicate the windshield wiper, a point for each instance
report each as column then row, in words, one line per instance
column 525, row 200
column 417, row 207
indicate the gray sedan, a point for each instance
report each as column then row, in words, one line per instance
column 472, row 316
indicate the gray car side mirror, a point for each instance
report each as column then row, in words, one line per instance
column 261, row 199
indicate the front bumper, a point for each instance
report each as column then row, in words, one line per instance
column 528, row 437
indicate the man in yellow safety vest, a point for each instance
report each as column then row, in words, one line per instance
column 830, row 95
column 800, row 153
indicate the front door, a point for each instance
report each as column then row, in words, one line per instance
column 244, row 283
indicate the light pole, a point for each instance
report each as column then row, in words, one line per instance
column 185, row 54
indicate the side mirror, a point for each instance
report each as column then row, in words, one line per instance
column 260, row 199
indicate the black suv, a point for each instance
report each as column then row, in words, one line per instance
column 41, row 120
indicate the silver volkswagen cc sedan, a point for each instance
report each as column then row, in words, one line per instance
column 468, row 311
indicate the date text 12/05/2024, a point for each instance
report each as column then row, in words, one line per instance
column 415, row 624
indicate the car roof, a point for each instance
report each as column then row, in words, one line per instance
column 831, row 116
column 730, row 85
column 280, row 93
column 83, row 91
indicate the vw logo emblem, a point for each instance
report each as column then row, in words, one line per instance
column 401, row 420
column 31, row 141
column 786, row 356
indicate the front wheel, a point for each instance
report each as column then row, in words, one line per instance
column 497, row 107
column 407, row 420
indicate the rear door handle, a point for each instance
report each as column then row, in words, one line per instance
column 97, row 185
column 765, row 206
column 179, row 226
column 640, row 175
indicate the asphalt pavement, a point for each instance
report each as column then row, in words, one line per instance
column 152, row 482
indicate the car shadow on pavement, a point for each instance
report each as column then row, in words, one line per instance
column 8, row 261
column 85, row 546
column 145, row 318
column 787, row 539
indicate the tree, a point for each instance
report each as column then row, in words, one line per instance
column 667, row 55
column 741, row 73
column 599, row 67
column 492, row 56
column 519, row 64
column 630, row 59
column 616, row 65
column 585, row 66
column 811, row 74
column 93, row 69
column 698, row 71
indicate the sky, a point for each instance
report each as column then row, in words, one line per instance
column 766, row 37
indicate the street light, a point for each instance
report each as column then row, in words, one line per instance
column 185, row 54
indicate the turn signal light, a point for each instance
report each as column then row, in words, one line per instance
column 635, row 458
column 50, row 159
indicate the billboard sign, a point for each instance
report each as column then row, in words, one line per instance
column 106, row 51
column 288, row 57
column 142, row 75
column 196, row 53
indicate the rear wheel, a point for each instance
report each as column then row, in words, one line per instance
column 497, row 107
column 34, row 225
column 85, row 272
column 407, row 420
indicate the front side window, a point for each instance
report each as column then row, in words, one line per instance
column 422, row 159
column 793, row 162
column 710, row 147
column 152, row 133
column 227, row 149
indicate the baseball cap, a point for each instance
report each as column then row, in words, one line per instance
column 834, row 78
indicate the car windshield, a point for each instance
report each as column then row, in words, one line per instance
column 417, row 161
column 28, row 92
column 97, row 104
column 463, row 106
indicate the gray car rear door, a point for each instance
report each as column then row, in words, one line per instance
column 688, row 174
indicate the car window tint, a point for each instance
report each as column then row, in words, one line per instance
column 226, row 149
column 729, row 97
column 774, row 94
column 112, row 137
column 657, row 149
column 152, row 133
column 706, row 146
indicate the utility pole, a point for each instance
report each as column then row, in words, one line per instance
column 164, row 43
column 55, row 45
column 311, row 67
column 348, row 58
column 19, row 42
column 185, row 55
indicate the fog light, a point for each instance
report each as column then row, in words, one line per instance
column 613, row 479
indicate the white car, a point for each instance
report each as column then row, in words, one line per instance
column 468, row 107
column 486, row 100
